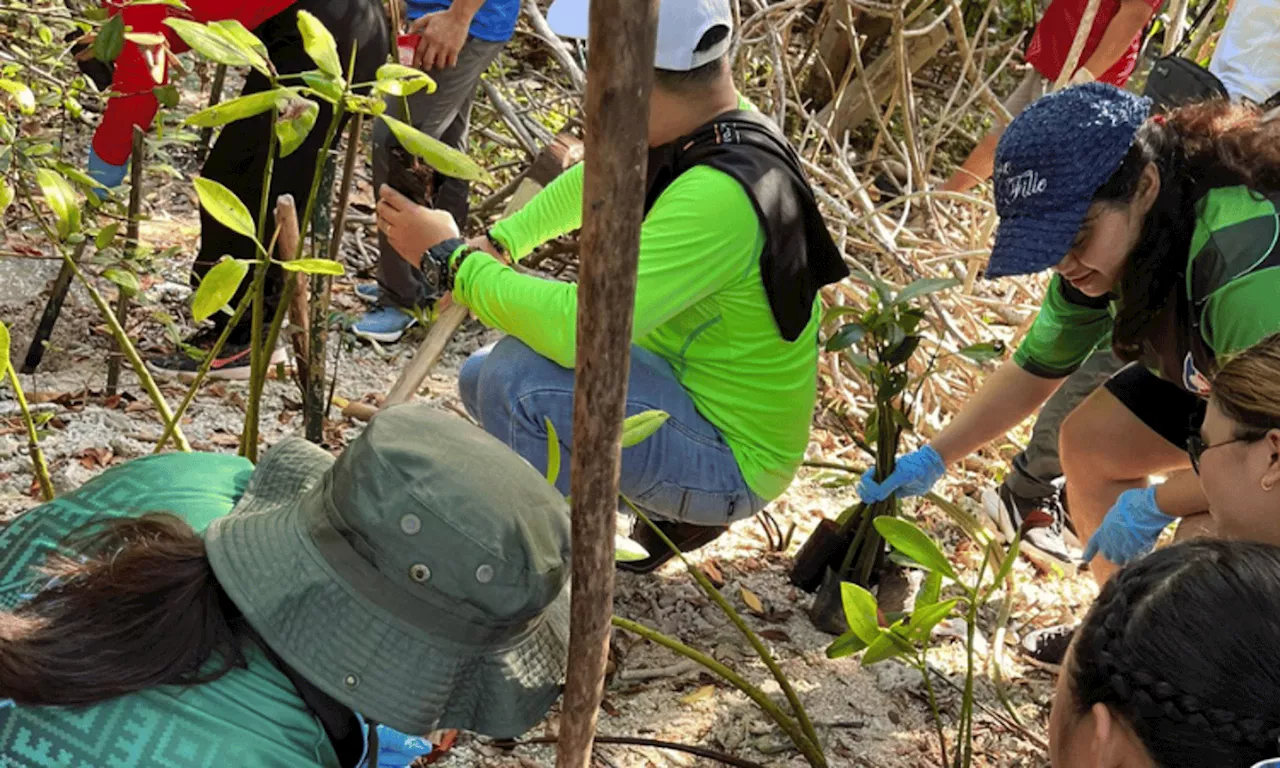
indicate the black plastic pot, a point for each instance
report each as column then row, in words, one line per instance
column 824, row 550
column 827, row 612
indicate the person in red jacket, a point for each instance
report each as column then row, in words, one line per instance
column 1109, row 56
column 238, row 157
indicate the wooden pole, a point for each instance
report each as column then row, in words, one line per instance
column 620, row 60
column 215, row 96
column 130, row 243
column 1077, row 45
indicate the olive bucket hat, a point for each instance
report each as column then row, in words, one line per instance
column 422, row 578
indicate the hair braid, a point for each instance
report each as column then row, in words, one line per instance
column 1113, row 673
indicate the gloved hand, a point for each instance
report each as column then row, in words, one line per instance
column 913, row 475
column 1081, row 77
column 398, row 750
column 106, row 174
column 1130, row 529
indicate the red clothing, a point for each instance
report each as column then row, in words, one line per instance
column 135, row 78
column 1047, row 51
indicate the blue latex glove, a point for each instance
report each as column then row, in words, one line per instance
column 1130, row 529
column 398, row 750
column 913, row 475
column 106, row 174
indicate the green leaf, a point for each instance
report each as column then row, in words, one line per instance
column 833, row 313
column 860, row 611
column 127, row 281
column 883, row 291
column 167, row 95
column 399, row 80
column 6, row 196
column 1006, row 565
column 888, row 645
column 77, row 176
column 208, row 43
column 900, row 354
column 553, row 453
column 21, row 94
column 915, row 544
column 110, row 40
column 237, row 109
column 4, row 350
column 244, row 41
column 845, row 645
column 319, row 44
column 314, row 266
column 218, row 287
column 627, row 551
column 848, row 335
column 437, row 154
column 223, row 205
column 636, row 429
column 297, row 118
column 984, row 352
column 930, row 591
column 106, row 235
column 925, row 287
column 145, row 39
column 62, row 201
column 925, row 618
column 324, row 86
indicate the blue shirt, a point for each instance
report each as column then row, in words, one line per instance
column 494, row 22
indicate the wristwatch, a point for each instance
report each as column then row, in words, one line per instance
column 439, row 268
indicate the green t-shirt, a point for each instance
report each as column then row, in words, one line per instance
column 1233, row 250
column 700, row 305
column 249, row 718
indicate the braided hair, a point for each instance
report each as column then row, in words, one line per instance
column 1182, row 646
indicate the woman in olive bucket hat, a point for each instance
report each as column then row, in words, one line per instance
column 420, row 581
column 1162, row 232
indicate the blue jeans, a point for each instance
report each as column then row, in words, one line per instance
column 685, row 471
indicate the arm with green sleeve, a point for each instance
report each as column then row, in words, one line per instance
column 693, row 242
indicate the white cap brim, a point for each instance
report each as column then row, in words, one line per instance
column 681, row 26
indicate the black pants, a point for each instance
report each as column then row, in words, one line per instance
column 238, row 158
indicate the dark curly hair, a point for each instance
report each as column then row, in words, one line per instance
column 1182, row 645
column 1195, row 148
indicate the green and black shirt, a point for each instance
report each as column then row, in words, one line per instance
column 1231, row 299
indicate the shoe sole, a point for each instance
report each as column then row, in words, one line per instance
column 382, row 338
column 236, row 373
column 367, row 299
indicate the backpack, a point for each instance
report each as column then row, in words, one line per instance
column 1175, row 81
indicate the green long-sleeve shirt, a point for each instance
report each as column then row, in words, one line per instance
column 700, row 305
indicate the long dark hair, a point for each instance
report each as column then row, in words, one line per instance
column 1182, row 646
column 132, row 604
column 1195, row 149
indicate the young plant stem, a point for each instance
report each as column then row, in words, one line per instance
column 259, row 356
column 809, row 748
column 203, row 370
column 39, row 465
column 131, row 243
column 922, row 664
column 763, row 652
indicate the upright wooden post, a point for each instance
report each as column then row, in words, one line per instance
column 622, row 34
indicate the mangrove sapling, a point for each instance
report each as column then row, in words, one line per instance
column 294, row 110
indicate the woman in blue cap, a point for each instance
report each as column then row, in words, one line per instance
column 1163, row 232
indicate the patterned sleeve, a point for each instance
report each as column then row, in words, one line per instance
column 1068, row 329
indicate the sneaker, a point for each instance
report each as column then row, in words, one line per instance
column 232, row 364
column 1042, row 522
column 1049, row 645
column 383, row 324
column 369, row 292
column 686, row 536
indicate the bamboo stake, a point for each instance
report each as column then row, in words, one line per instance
column 131, row 243
column 1077, row 45
column 215, row 97
column 622, row 34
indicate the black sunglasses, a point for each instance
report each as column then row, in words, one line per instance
column 1196, row 446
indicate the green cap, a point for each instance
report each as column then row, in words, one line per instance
column 421, row 579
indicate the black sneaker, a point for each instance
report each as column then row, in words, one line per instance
column 686, row 536
column 1042, row 522
column 1049, row 645
column 232, row 364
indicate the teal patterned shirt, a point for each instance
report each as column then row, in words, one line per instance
column 249, row 718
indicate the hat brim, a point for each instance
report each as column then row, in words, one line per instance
column 386, row 669
column 1033, row 243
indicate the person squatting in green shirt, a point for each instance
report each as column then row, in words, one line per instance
column 193, row 611
column 732, row 253
column 1163, row 232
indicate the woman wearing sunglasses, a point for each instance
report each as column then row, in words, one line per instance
column 1237, row 452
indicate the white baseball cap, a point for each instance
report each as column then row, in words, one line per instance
column 681, row 26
